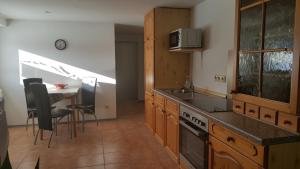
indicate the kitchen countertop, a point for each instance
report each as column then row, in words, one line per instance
column 252, row 129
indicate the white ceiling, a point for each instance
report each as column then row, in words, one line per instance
column 129, row 12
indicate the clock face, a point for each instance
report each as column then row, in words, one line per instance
column 60, row 44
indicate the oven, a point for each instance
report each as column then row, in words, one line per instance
column 193, row 139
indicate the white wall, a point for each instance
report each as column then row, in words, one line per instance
column 91, row 46
column 3, row 21
column 216, row 18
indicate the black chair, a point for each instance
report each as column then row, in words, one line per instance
column 44, row 111
column 31, row 108
column 88, row 96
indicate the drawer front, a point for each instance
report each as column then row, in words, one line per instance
column 268, row 115
column 237, row 142
column 252, row 110
column 238, row 106
column 288, row 122
column 159, row 100
column 172, row 107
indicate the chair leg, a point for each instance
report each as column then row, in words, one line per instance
column 33, row 126
column 83, row 121
column 69, row 126
column 36, row 136
column 27, row 123
column 96, row 119
column 50, row 139
column 56, row 126
column 68, row 123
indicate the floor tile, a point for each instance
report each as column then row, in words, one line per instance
column 124, row 143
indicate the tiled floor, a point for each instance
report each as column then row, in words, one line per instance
column 124, row 143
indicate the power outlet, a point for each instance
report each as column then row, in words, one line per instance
column 220, row 78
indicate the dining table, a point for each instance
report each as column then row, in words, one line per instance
column 69, row 93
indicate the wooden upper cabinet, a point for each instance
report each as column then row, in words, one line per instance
column 267, row 53
column 164, row 69
column 149, row 26
column 149, row 51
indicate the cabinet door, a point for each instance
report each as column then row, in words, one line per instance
column 266, row 48
column 172, row 134
column 149, row 113
column 160, row 124
column 222, row 156
column 149, row 51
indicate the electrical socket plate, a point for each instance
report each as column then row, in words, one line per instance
column 220, row 78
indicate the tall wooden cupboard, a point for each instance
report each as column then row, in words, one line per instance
column 163, row 69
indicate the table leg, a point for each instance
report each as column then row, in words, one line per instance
column 73, row 115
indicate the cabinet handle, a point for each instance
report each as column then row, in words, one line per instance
column 237, row 106
column 255, row 151
column 251, row 111
column 286, row 122
column 267, row 116
column 230, row 139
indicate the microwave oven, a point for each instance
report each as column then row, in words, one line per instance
column 185, row 38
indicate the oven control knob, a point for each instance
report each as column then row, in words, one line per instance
column 203, row 124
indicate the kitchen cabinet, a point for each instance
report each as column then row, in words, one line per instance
column 222, row 156
column 149, row 112
column 164, row 69
column 167, row 124
column 267, row 50
column 172, row 128
column 172, row 135
column 228, row 149
column 160, row 123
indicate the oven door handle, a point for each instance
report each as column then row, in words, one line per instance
column 197, row 133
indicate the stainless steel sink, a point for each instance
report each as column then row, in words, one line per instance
column 185, row 95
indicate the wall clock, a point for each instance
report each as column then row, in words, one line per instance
column 60, row 44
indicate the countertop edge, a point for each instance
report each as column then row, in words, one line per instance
column 264, row 142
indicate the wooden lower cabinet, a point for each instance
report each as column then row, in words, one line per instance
column 222, row 156
column 149, row 113
column 160, row 122
column 172, row 135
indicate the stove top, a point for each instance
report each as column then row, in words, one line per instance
column 208, row 103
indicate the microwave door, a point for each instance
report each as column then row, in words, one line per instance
column 174, row 40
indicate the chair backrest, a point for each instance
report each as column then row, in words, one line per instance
column 28, row 95
column 43, row 106
column 88, row 92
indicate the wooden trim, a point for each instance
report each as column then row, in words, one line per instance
column 236, row 46
column 284, row 107
column 210, row 92
column 188, row 50
column 251, row 5
column 254, row 4
column 266, row 50
column 295, row 85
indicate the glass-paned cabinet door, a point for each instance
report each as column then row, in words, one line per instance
column 248, row 77
column 277, row 71
column 250, row 28
column 279, row 24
